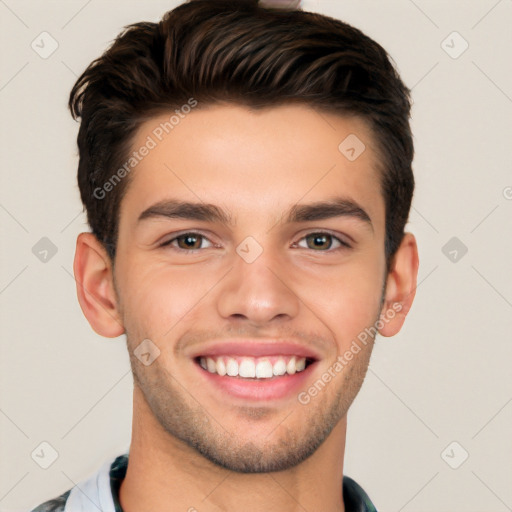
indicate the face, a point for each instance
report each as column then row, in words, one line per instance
column 256, row 277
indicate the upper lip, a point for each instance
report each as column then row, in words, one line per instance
column 254, row 348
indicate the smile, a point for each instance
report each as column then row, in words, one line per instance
column 254, row 370
column 254, row 367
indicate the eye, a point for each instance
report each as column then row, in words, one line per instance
column 187, row 242
column 323, row 242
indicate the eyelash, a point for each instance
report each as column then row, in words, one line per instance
column 343, row 244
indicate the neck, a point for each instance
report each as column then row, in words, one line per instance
column 165, row 474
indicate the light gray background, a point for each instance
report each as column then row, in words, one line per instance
column 446, row 377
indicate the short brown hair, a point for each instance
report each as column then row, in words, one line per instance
column 240, row 52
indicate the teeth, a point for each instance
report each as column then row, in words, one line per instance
column 253, row 367
column 280, row 367
column 210, row 365
column 232, row 367
column 221, row 367
column 264, row 369
column 247, row 368
column 300, row 364
column 290, row 367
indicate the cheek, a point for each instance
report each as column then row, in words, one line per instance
column 348, row 299
column 157, row 297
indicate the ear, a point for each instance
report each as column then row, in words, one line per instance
column 95, row 286
column 400, row 287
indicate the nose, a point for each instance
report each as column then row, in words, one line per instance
column 259, row 292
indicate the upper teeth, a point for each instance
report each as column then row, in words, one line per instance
column 253, row 367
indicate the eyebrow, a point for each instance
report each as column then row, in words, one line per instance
column 320, row 210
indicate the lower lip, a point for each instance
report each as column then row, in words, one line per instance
column 276, row 388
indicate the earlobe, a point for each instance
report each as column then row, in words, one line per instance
column 95, row 287
column 400, row 288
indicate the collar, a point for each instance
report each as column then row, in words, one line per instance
column 354, row 497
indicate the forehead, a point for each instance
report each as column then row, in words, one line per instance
column 253, row 159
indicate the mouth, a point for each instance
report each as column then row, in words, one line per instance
column 256, row 372
column 254, row 368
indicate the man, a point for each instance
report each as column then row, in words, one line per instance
column 246, row 172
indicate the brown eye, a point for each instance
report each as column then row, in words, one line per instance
column 187, row 242
column 319, row 241
column 322, row 242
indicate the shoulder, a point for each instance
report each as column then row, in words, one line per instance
column 54, row 505
column 97, row 490
column 355, row 498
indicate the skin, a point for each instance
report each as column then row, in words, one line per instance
column 193, row 445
